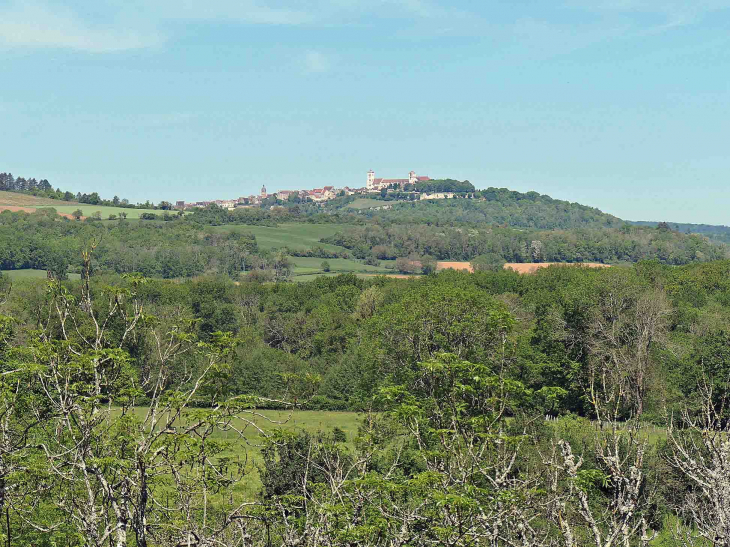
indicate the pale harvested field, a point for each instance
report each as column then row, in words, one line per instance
column 532, row 268
column 15, row 209
column 465, row 266
column 25, row 200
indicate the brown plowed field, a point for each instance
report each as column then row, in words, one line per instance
column 532, row 268
column 466, row 266
column 15, row 209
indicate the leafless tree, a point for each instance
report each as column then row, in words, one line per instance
column 700, row 443
column 620, row 449
column 625, row 327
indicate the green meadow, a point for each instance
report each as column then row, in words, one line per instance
column 33, row 274
column 365, row 203
column 248, row 444
column 310, row 265
column 88, row 210
column 298, row 236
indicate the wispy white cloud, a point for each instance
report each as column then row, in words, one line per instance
column 669, row 14
column 133, row 24
column 316, row 62
column 606, row 21
column 37, row 25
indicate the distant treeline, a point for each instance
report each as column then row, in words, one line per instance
column 443, row 185
column 714, row 232
column 607, row 245
column 43, row 188
column 213, row 215
column 42, row 240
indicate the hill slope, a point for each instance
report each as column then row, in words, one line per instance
column 494, row 206
column 15, row 199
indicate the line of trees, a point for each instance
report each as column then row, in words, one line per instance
column 624, row 244
column 42, row 240
column 43, row 188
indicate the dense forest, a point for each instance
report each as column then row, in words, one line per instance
column 570, row 407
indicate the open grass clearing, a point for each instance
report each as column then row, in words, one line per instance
column 288, row 420
column 33, row 274
column 366, row 203
column 298, row 236
column 247, row 447
column 88, row 210
column 309, row 265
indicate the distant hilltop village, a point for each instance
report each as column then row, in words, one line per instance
column 373, row 185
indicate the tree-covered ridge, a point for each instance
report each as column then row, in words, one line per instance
column 492, row 206
column 608, row 245
column 712, row 231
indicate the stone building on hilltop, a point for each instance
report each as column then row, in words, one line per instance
column 377, row 184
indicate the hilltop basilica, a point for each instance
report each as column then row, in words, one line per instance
column 375, row 185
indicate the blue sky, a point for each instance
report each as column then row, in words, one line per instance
column 619, row 104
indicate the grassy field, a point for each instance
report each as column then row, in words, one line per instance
column 249, row 446
column 293, row 235
column 365, row 203
column 14, row 199
column 298, row 236
column 23, row 200
column 33, row 274
column 88, row 210
column 308, row 266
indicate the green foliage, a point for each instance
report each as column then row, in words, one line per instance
column 5, row 286
column 461, row 368
column 444, row 185
column 488, row 247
